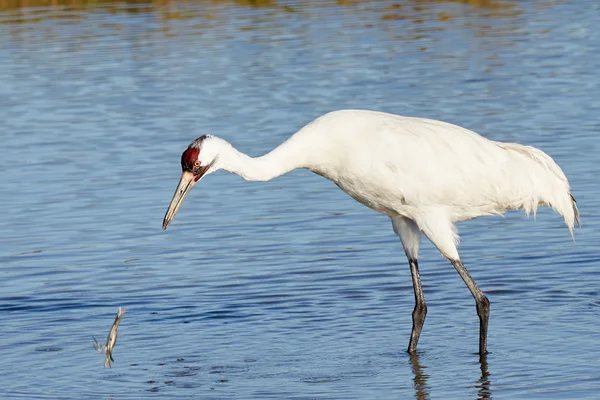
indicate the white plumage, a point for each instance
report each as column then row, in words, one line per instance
column 426, row 175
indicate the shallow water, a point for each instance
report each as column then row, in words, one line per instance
column 289, row 288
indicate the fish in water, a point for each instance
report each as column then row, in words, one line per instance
column 111, row 340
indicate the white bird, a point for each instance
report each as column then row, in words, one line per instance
column 426, row 175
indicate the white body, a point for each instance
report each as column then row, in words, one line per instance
column 425, row 174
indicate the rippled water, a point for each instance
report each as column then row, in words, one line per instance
column 288, row 288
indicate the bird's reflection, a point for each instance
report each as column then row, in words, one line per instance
column 422, row 389
column 420, row 378
column 483, row 384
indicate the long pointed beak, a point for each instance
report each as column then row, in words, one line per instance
column 186, row 183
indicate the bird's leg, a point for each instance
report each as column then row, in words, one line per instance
column 410, row 236
column 482, row 303
column 420, row 311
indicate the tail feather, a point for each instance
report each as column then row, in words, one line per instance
column 548, row 184
column 575, row 210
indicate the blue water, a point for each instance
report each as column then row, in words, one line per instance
column 286, row 289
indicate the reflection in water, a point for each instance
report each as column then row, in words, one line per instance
column 12, row 4
column 420, row 378
column 423, row 19
column 483, row 384
column 180, row 9
column 422, row 388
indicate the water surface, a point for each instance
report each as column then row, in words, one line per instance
column 289, row 288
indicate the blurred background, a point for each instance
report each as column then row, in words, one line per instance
column 288, row 288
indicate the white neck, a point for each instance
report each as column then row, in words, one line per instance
column 279, row 161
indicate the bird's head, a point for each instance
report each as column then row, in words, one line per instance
column 199, row 159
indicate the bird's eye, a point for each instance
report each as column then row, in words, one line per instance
column 197, row 164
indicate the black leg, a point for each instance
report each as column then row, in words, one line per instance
column 482, row 303
column 420, row 311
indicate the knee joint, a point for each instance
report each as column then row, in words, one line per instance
column 420, row 310
column 483, row 305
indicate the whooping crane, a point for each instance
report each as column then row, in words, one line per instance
column 426, row 175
